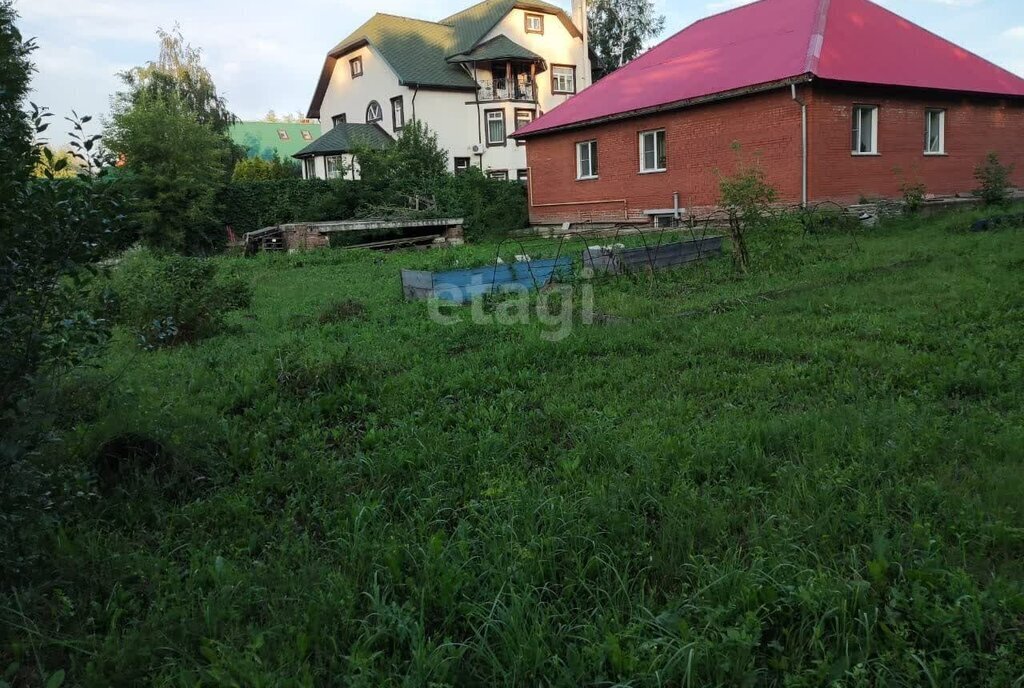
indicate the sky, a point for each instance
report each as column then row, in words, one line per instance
column 266, row 55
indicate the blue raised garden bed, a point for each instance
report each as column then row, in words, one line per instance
column 462, row 286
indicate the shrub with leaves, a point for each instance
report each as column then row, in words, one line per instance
column 993, row 179
column 166, row 300
column 53, row 232
column 747, row 196
column 260, row 170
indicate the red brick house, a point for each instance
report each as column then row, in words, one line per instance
column 836, row 99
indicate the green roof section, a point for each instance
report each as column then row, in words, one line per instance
column 498, row 48
column 264, row 139
column 347, row 137
column 473, row 23
column 417, row 50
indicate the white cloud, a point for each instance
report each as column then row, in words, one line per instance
column 1016, row 33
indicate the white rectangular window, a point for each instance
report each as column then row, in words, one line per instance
column 865, row 130
column 586, row 160
column 309, row 168
column 495, row 127
column 563, row 79
column 397, row 113
column 356, row 66
column 935, row 132
column 335, row 167
column 461, row 165
column 652, row 151
column 498, row 174
column 535, row 23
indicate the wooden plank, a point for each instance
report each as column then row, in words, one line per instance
column 404, row 241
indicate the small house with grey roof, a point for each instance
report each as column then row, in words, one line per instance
column 473, row 78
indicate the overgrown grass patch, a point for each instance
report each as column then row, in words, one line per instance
column 807, row 475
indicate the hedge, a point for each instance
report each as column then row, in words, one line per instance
column 488, row 206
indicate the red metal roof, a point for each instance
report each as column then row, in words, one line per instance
column 775, row 40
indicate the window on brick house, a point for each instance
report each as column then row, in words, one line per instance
column 865, row 130
column 934, row 132
column 652, row 151
column 586, row 160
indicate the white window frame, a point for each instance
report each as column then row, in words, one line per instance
column 498, row 174
column 566, row 77
column 355, row 66
column 539, row 28
column 309, row 168
column 659, row 165
column 592, row 158
column 858, row 124
column 397, row 113
column 378, row 115
column 461, row 168
column 339, row 166
column 928, row 131
column 495, row 116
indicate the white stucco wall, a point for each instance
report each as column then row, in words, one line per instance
column 453, row 115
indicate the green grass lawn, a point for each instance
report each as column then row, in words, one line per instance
column 810, row 474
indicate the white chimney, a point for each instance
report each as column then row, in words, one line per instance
column 579, row 18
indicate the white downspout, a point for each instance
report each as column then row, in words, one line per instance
column 803, row 143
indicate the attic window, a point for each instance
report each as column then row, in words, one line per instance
column 535, row 23
column 356, row 65
column 373, row 112
column 306, row 136
column 282, row 134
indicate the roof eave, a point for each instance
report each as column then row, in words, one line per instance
column 674, row 105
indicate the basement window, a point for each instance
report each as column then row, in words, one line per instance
column 652, row 151
column 935, row 132
column 865, row 130
column 586, row 160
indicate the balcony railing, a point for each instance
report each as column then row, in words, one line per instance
column 505, row 89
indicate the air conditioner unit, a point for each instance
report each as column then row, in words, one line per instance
column 477, row 148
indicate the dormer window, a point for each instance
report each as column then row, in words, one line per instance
column 373, row 112
column 356, row 65
column 535, row 23
column 306, row 136
column 282, row 134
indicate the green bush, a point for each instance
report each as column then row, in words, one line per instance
column 487, row 206
column 993, row 180
column 260, row 170
column 250, row 205
column 167, row 299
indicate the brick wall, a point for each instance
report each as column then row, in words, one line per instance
column 700, row 141
column 974, row 126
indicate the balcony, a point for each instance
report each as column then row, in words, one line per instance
column 506, row 89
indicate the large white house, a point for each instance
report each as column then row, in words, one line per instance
column 473, row 78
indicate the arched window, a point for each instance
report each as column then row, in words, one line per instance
column 373, row 112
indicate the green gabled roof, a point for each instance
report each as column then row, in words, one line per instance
column 262, row 140
column 347, row 137
column 419, row 51
column 473, row 23
column 498, row 48
column 414, row 48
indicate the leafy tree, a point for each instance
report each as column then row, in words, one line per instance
column 53, row 232
column 178, row 71
column 410, row 167
column 56, row 164
column 260, row 170
column 175, row 166
column 619, row 29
